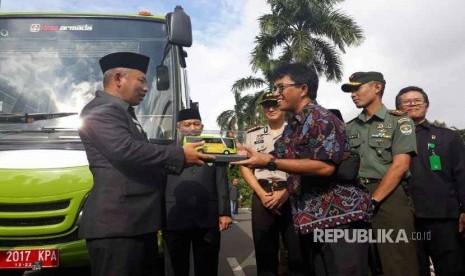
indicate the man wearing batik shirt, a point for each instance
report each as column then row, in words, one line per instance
column 310, row 149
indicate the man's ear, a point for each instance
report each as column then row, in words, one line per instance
column 304, row 91
column 378, row 86
column 117, row 77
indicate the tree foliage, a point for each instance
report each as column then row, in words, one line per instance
column 308, row 31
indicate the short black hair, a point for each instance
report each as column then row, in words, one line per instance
column 299, row 73
column 410, row 89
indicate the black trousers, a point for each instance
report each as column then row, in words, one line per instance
column 444, row 247
column 134, row 256
column 205, row 248
column 266, row 228
column 340, row 258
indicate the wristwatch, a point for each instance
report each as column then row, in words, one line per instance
column 271, row 166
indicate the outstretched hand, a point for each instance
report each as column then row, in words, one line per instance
column 255, row 160
column 193, row 157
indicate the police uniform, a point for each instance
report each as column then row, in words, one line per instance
column 377, row 140
column 267, row 226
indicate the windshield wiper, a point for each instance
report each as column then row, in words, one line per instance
column 29, row 118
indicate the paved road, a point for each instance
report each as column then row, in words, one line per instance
column 237, row 257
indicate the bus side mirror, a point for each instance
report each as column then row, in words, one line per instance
column 163, row 80
column 179, row 27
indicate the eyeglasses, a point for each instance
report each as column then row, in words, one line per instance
column 280, row 87
column 412, row 102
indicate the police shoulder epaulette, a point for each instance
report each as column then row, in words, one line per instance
column 397, row 112
column 254, row 129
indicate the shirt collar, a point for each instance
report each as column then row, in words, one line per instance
column 380, row 113
column 302, row 116
column 425, row 124
column 110, row 98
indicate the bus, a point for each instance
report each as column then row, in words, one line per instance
column 213, row 145
column 48, row 71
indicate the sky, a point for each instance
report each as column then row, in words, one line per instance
column 412, row 42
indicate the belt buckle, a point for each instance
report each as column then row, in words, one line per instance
column 363, row 180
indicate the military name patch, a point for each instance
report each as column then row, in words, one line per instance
column 406, row 129
column 402, row 120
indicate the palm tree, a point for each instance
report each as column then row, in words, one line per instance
column 308, row 31
column 244, row 114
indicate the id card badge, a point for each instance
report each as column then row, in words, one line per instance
column 435, row 162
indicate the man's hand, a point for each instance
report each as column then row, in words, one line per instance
column 193, row 157
column 225, row 222
column 462, row 223
column 265, row 197
column 278, row 198
column 256, row 160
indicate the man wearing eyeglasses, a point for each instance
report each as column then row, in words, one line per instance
column 437, row 186
column 309, row 150
column 386, row 143
column 197, row 210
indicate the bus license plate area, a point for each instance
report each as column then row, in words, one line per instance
column 26, row 258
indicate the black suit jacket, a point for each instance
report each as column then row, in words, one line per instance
column 129, row 172
column 197, row 197
column 438, row 194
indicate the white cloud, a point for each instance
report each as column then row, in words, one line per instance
column 221, row 56
column 412, row 42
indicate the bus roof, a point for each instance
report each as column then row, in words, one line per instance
column 159, row 18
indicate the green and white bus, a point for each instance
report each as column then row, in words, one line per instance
column 48, row 71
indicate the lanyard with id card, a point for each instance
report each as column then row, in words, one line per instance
column 434, row 159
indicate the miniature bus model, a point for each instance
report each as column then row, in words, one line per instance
column 213, row 145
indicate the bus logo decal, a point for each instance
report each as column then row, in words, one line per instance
column 34, row 28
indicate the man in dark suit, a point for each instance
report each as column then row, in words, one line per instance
column 197, row 205
column 437, row 186
column 124, row 209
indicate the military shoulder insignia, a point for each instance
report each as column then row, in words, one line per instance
column 397, row 112
column 254, row 129
column 403, row 120
column 406, row 129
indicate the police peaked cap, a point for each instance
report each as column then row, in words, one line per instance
column 268, row 97
column 360, row 78
column 124, row 60
column 189, row 114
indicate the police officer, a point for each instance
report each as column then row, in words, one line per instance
column 271, row 210
column 386, row 143
column 437, row 186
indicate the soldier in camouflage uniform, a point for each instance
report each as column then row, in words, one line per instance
column 386, row 142
column 271, row 210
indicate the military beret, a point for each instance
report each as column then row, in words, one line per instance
column 124, row 60
column 359, row 78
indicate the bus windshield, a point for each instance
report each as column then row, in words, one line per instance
column 50, row 65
